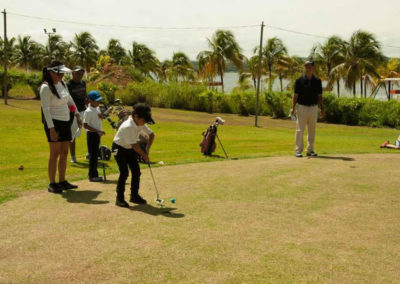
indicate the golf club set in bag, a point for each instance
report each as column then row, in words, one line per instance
column 208, row 144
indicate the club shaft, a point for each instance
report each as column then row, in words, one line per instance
column 154, row 181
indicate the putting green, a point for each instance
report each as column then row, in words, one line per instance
column 281, row 219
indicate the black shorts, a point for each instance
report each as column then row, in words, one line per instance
column 63, row 128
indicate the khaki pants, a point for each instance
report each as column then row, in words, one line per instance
column 306, row 116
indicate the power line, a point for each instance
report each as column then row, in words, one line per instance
column 178, row 28
column 132, row 27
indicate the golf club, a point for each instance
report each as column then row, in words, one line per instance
column 103, row 164
column 75, row 134
column 219, row 140
column 158, row 200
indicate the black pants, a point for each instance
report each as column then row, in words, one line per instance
column 93, row 143
column 127, row 158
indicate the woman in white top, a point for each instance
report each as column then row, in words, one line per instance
column 55, row 100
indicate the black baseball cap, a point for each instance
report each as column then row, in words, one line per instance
column 309, row 62
column 143, row 111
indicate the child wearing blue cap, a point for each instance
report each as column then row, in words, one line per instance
column 93, row 125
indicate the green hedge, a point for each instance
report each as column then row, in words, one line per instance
column 15, row 77
column 200, row 98
column 362, row 112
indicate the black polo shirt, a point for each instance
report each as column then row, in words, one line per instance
column 78, row 93
column 308, row 90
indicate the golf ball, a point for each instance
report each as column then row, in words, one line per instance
column 172, row 200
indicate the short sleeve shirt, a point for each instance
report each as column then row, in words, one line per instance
column 128, row 133
column 308, row 90
column 91, row 117
column 78, row 93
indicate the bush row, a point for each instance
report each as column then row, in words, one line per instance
column 362, row 112
column 200, row 98
column 21, row 77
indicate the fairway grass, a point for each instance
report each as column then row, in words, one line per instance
column 277, row 219
column 178, row 134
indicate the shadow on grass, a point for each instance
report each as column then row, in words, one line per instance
column 83, row 196
column 157, row 211
column 347, row 159
column 83, row 165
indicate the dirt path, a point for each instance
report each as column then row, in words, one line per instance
column 283, row 219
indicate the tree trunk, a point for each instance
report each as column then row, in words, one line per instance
column 365, row 88
column 254, row 83
column 280, row 79
column 338, row 87
column 361, row 87
column 270, row 79
column 354, row 89
column 222, row 81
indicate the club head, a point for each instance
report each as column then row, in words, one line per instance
column 159, row 201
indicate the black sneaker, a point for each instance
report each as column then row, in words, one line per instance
column 96, row 179
column 137, row 199
column 312, row 154
column 121, row 203
column 54, row 188
column 65, row 185
column 299, row 155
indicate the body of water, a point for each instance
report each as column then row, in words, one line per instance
column 231, row 81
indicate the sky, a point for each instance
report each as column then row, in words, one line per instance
column 243, row 18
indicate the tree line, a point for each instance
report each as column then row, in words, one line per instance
column 359, row 60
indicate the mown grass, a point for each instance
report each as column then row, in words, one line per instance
column 267, row 220
column 178, row 134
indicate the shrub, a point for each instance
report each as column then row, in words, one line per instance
column 108, row 90
column 278, row 104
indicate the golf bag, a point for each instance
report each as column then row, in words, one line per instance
column 208, row 144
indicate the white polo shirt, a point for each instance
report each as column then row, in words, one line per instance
column 128, row 133
column 91, row 117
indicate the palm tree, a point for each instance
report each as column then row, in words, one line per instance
column 252, row 64
column 182, row 66
column 23, row 51
column 207, row 66
column 283, row 69
column 55, row 49
column 38, row 56
column 362, row 58
column 85, row 50
column 327, row 56
column 10, row 50
column 223, row 47
column 144, row 59
column 164, row 71
column 274, row 54
column 116, row 51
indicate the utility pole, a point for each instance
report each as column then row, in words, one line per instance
column 259, row 72
column 5, row 81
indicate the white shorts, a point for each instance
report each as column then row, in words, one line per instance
column 74, row 127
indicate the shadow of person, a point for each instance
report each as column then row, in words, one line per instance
column 157, row 211
column 347, row 159
column 83, row 196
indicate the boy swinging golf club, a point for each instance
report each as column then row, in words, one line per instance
column 126, row 150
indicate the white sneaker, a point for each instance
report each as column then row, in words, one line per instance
column 73, row 159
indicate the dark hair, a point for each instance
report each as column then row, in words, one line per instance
column 46, row 77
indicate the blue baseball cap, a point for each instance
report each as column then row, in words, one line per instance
column 95, row 96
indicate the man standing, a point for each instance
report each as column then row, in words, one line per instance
column 77, row 90
column 308, row 96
